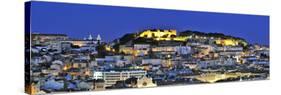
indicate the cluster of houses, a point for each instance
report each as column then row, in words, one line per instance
column 60, row 63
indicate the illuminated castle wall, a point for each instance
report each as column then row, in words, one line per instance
column 161, row 35
column 230, row 42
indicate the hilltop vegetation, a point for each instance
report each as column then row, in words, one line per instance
column 134, row 37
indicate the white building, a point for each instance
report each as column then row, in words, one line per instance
column 141, row 49
column 152, row 61
column 112, row 77
column 183, row 50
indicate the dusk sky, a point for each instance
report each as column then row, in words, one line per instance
column 78, row 21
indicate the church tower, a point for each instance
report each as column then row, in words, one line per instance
column 90, row 37
column 98, row 39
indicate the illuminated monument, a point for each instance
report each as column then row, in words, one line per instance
column 162, row 35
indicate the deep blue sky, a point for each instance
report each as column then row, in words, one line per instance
column 78, row 21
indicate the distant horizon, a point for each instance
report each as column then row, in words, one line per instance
column 111, row 22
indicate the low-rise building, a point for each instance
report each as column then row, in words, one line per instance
column 45, row 39
column 141, row 49
column 111, row 77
